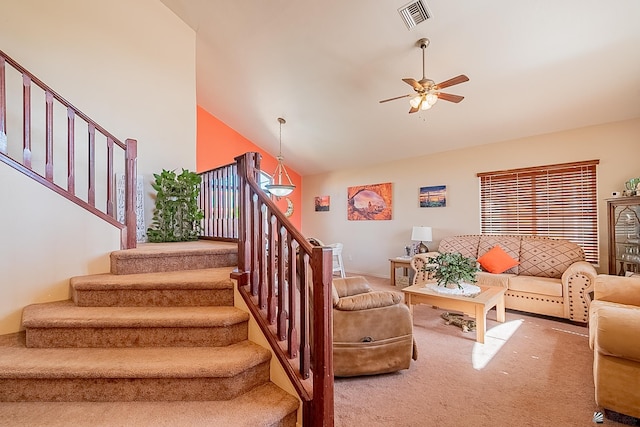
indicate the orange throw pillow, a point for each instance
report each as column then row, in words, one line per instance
column 496, row 260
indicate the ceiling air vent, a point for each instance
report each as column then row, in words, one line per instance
column 414, row 13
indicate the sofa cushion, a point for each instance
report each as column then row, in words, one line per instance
column 354, row 285
column 536, row 285
column 497, row 260
column 510, row 244
column 466, row 245
column 490, row 279
column 542, row 257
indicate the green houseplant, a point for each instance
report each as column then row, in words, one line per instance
column 451, row 269
column 176, row 217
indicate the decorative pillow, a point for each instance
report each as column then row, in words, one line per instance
column 496, row 260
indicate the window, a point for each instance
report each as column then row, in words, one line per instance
column 265, row 179
column 557, row 201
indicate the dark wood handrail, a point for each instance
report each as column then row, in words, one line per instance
column 285, row 282
column 22, row 159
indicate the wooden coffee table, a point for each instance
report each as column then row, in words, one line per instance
column 476, row 307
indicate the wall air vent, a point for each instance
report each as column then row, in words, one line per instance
column 414, row 13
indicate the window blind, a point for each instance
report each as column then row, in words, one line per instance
column 557, row 201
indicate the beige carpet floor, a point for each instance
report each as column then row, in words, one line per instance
column 531, row 371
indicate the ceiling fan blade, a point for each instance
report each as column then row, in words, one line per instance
column 397, row 97
column 449, row 97
column 454, row 81
column 413, row 83
column 413, row 110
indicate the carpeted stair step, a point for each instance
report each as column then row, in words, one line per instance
column 203, row 287
column 63, row 324
column 264, row 406
column 156, row 257
column 129, row 374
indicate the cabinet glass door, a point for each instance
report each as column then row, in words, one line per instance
column 627, row 238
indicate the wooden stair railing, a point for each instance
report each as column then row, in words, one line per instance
column 35, row 156
column 285, row 282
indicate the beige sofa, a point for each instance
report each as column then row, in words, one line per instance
column 551, row 277
column 372, row 330
column 614, row 328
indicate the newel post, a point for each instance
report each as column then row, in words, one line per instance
column 246, row 168
column 131, row 186
column 323, row 403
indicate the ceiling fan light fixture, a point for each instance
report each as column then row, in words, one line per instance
column 431, row 99
column 425, row 106
column 278, row 188
column 415, row 101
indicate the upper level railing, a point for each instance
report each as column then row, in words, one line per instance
column 285, row 282
column 219, row 201
column 37, row 125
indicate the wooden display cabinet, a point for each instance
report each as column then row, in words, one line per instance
column 624, row 235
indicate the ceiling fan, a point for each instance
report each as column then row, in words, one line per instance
column 426, row 91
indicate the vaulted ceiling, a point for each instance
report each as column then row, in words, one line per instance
column 535, row 67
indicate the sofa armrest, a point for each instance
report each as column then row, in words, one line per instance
column 577, row 283
column 620, row 289
column 613, row 329
column 377, row 323
column 373, row 299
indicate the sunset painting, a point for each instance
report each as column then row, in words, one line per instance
column 322, row 203
column 433, row 197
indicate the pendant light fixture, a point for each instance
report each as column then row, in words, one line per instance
column 277, row 188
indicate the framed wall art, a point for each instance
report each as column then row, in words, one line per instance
column 434, row 196
column 322, row 203
column 369, row 202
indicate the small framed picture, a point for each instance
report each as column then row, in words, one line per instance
column 322, row 203
column 434, row 196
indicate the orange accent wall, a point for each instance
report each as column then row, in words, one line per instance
column 217, row 144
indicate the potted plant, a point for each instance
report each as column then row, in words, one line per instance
column 176, row 217
column 452, row 269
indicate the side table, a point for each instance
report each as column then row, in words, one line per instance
column 403, row 262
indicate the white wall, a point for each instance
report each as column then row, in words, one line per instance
column 130, row 66
column 369, row 244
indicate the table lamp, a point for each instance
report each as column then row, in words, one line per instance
column 421, row 234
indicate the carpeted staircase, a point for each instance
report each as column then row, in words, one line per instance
column 155, row 342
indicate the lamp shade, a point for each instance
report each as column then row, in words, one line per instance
column 421, row 234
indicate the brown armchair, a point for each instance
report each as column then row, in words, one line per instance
column 372, row 330
column 614, row 327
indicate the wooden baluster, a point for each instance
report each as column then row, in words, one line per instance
column 3, row 106
column 71, row 155
column 236, row 200
column 292, row 277
column 91, row 196
column 263, row 239
column 218, row 202
column 271, row 269
column 305, row 356
column 110, row 178
column 26, row 121
column 283, row 285
column 205, row 198
column 256, row 252
column 210, row 201
column 48, row 170
column 131, row 193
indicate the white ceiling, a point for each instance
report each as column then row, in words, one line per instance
column 535, row 67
